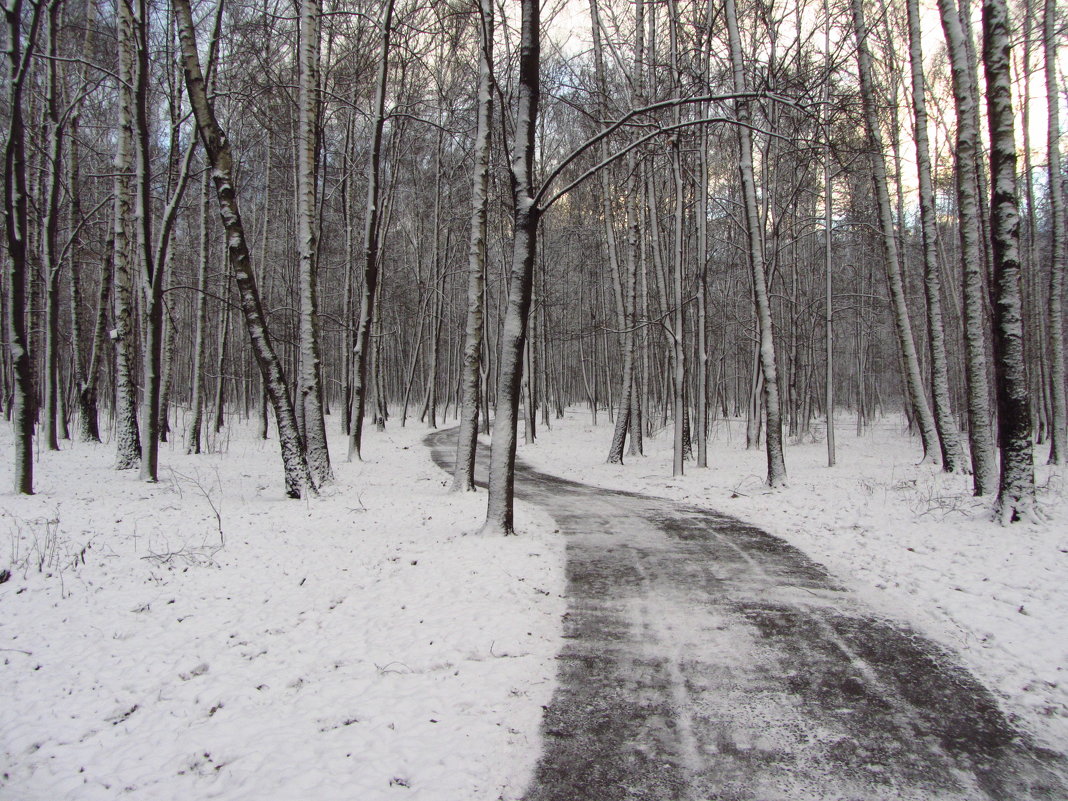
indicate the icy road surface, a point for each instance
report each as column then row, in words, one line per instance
column 706, row 659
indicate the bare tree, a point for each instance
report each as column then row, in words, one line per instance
column 51, row 257
column 371, row 235
column 525, row 217
column 902, row 325
column 127, row 435
column 298, row 477
column 980, row 435
column 19, row 51
column 1016, row 490
column 1058, row 453
column 196, row 413
column 948, row 436
column 467, row 436
column 769, row 370
column 311, row 391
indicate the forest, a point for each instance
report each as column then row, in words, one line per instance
column 746, row 316
column 679, row 213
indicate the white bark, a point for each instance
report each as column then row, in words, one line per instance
column 196, row 416
column 361, row 355
column 310, row 385
column 769, row 371
column 18, row 52
column 499, row 509
column 297, row 475
column 467, row 437
column 1016, row 489
column 1058, row 453
column 127, row 436
column 948, row 435
column 980, row 433
column 902, row 325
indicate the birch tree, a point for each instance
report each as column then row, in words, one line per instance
column 972, row 259
column 467, row 435
column 525, row 216
column 371, row 234
column 1016, row 488
column 50, row 256
column 19, row 51
column 196, row 413
column 311, row 391
column 1058, row 453
column 902, row 326
column 948, row 435
column 127, row 435
column 755, row 241
column 298, row 478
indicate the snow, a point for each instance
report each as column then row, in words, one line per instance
column 367, row 644
column 364, row 644
column 911, row 540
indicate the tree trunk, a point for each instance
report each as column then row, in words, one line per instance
column 127, row 435
column 1016, row 490
column 153, row 263
column 463, row 479
column 311, row 390
column 980, row 435
column 89, row 430
column 902, row 326
column 945, row 423
column 370, row 246
column 169, row 344
column 192, row 444
column 297, row 475
column 499, row 510
column 1058, row 452
column 218, row 404
column 769, row 372
column 50, row 240
column 18, row 52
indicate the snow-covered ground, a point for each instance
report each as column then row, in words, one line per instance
column 910, row 539
column 367, row 644
column 362, row 645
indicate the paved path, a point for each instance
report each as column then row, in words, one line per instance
column 705, row 659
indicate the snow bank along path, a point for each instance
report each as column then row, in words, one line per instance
column 705, row 658
column 354, row 646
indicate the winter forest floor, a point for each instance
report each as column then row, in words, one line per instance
column 364, row 645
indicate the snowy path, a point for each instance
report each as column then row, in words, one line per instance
column 706, row 659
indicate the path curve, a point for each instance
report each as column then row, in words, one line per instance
column 706, row 659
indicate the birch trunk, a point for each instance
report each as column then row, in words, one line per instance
column 499, row 509
column 311, row 391
column 89, row 430
column 828, row 302
column 18, row 52
column 1058, row 453
column 945, row 423
column 463, row 479
column 152, row 263
column 1016, row 489
column 297, row 475
column 370, row 247
column 50, row 241
column 192, row 440
column 127, row 435
column 627, row 416
column 167, row 385
column 902, row 325
column 769, row 372
column 980, row 433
